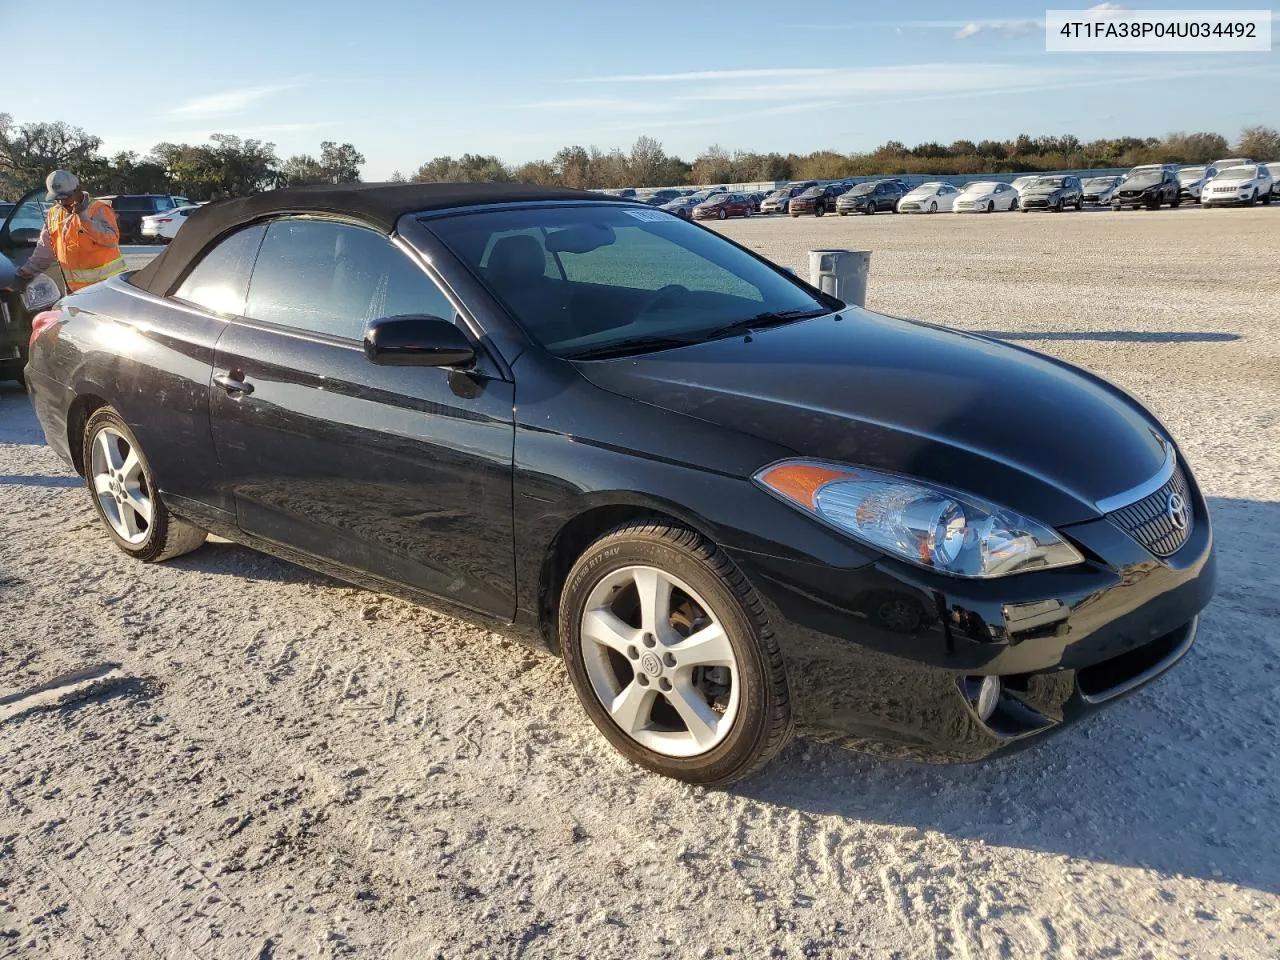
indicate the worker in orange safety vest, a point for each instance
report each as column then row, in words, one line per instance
column 80, row 234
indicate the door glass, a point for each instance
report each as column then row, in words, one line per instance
column 334, row 278
column 220, row 281
column 26, row 222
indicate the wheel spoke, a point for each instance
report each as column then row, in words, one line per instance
column 694, row 710
column 607, row 630
column 709, row 647
column 112, row 511
column 131, row 467
column 655, row 601
column 631, row 708
column 129, row 520
column 102, row 484
column 110, row 451
column 141, row 504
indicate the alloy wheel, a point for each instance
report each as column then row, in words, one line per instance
column 121, row 486
column 659, row 661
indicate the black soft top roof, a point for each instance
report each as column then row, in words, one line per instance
column 379, row 205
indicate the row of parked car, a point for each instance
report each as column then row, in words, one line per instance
column 1232, row 181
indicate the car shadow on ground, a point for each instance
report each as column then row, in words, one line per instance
column 1181, row 777
column 1113, row 336
column 20, row 480
column 231, row 559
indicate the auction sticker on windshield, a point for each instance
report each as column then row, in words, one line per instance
column 650, row 216
column 1158, row 31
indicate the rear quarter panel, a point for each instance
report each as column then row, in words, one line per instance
column 151, row 360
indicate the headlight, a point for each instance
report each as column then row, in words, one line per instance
column 932, row 527
column 41, row 293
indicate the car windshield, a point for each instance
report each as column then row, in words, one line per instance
column 1238, row 173
column 1143, row 178
column 812, row 192
column 715, row 199
column 598, row 279
column 860, row 190
column 1100, row 183
column 1050, row 182
column 1190, row 174
column 981, row 186
column 780, row 194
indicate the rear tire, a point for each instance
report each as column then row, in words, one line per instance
column 125, row 496
column 622, row 651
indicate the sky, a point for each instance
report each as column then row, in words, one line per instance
column 409, row 81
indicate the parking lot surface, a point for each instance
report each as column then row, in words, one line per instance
column 228, row 756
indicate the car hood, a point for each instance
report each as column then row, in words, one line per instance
column 1008, row 424
column 1042, row 191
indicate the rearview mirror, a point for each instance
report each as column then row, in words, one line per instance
column 417, row 341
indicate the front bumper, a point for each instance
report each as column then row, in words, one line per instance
column 1043, row 202
column 885, row 657
column 1229, row 199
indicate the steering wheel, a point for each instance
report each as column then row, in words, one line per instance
column 662, row 293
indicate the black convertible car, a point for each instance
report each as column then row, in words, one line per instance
column 730, row 502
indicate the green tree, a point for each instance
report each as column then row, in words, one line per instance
column 1260, row 143
column 30, row 151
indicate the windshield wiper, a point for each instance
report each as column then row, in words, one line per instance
column 763, row 320
column 620, row 348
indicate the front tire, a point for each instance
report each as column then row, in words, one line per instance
column 125, row 496
column 721, row 215
column 933, row 206
column 991, row 207
column 669, row 651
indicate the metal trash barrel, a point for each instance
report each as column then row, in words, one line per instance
column 841, row 274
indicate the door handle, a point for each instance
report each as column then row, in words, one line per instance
column 232, row 385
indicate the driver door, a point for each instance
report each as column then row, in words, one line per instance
column 402, row 473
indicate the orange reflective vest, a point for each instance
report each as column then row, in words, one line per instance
column 87, row 243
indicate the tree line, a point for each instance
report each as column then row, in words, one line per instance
column 226, row 166
column 229, row 165
column 648, row 165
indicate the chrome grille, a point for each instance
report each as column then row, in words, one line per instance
column 1149, row 522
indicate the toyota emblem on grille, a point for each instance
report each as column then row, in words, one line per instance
column 1176, row 508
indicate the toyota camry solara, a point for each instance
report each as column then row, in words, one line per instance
column 731, row 503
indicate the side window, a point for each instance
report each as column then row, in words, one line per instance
column 220, row 281
column 333, row 278
column 642, row 260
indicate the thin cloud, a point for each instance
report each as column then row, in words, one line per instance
column 228, row 101
column 608, row 104
column 697, row 75
column 1005, row 28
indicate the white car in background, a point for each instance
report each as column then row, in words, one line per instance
column 985, row 196
column 1193, row 179
column 931, row 197
column 165, row 226
column 1245, row 184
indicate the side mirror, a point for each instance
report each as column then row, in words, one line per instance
column 417, row 341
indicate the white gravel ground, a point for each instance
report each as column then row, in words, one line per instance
column 240, row 759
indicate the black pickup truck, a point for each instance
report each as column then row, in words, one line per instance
column 131, row 208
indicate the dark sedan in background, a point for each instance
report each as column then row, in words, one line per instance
column 731, row 502
column 1051, row 193
column 722, row 206
column 1148, row 187
column 818, row 200
column 871, row 197
column 1097, row 191
column 19, row 303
